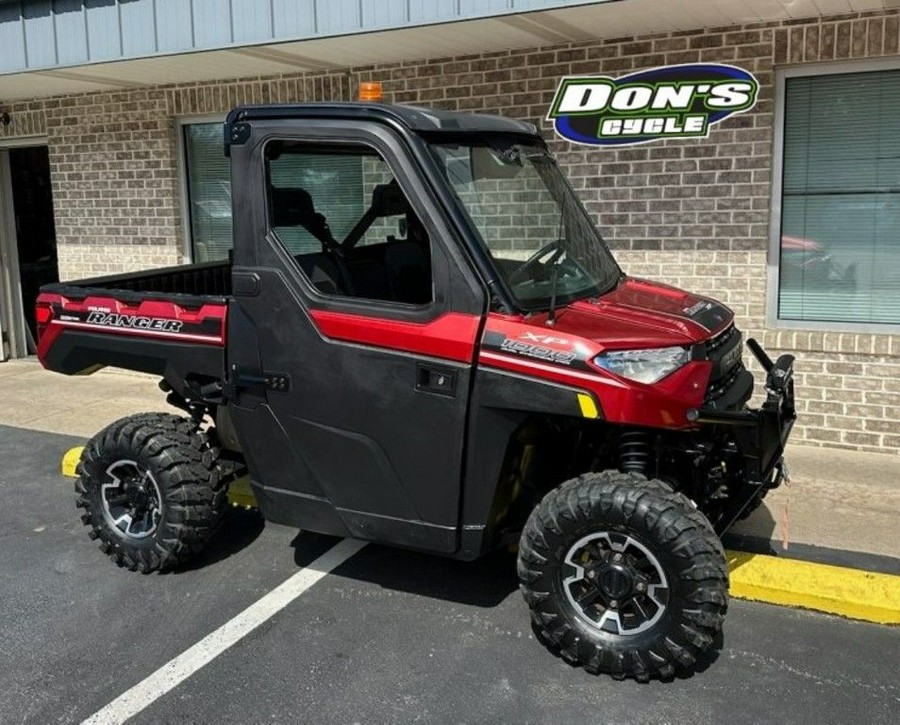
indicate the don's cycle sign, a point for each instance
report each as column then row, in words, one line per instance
column 678, row 101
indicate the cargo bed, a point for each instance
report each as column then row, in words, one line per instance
column 169, row 322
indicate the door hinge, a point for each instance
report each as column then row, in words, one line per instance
column 258, row 381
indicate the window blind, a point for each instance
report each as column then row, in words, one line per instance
column 209, row 192
column 335, row 183
column 840, row 233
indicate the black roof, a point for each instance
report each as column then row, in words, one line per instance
column 415, row 118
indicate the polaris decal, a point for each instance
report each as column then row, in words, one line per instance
column 538, row 347
column 697, row 307
column 207, row 329
column 517, row 347
column 136, row 322
column 544, row 339
column 677, row 101
column 731, row 358
column 707, row 314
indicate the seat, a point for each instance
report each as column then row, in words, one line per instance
column 324, row 273
column 407, row 264
column 292, row 207
column 387, row 200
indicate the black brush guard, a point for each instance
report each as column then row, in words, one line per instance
column 760, row 434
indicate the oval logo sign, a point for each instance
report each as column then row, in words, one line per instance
column 677, row 101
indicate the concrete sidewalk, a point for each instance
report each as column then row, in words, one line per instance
column 838, row 499
column 31, row 397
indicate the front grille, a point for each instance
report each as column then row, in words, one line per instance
column 718, row 388
column 729, row 384
column 721, row 339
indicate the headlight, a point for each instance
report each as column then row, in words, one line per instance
column 644, row 366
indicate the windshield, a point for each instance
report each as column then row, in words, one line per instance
column 541, row 240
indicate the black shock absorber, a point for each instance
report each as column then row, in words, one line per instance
column 634, row 451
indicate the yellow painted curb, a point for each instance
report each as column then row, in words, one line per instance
column 70, row 461
column 834, row 589
column 239, row 492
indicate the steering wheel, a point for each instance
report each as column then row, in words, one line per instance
column 529, row 268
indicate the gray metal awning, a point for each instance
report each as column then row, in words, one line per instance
column 429, row 39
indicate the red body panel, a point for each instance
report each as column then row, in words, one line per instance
column 451, row 336
column 663, row 404
column 641, row 314
column 637, row 314
column 155, row 318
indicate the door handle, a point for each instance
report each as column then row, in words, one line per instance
column 435, row 379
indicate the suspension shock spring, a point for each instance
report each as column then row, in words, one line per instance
column 634, row 451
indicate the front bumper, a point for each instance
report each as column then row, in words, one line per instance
column 760, row 434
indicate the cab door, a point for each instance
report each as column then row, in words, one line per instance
column 352, row 335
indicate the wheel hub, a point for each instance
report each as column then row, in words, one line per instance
column 138, row 495
column 615, row 583
column 132, row 504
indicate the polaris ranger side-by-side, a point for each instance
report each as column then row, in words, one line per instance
column 422, row 340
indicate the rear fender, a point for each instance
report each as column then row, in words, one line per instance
column 81, row 331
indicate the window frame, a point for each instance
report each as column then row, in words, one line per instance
column 773, row 260
column 429, row 310
column 187, row 235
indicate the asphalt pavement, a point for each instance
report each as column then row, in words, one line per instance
column 388, row 636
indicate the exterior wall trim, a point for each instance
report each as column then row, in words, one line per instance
column 23, row 141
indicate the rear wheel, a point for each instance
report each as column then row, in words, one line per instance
column 151, row 490
column 623, row 576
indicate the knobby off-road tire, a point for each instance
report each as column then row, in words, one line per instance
column 623, row 576
column 151, row 491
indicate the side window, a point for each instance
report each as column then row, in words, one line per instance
column 342, row 215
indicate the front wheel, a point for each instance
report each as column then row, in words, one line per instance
column 623, row 576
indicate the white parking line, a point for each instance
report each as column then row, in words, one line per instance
column 172, row 673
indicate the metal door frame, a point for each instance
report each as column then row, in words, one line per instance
column 12, row 314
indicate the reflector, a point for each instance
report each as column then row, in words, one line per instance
column 42, row 314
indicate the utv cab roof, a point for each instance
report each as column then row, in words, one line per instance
column 414, row 118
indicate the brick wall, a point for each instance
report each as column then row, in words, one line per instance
column 692, row 212
column 115, row 169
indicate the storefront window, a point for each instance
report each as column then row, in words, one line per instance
column 840, row 227
column 208, row 190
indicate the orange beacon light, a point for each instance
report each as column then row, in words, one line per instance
column 370, row 91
